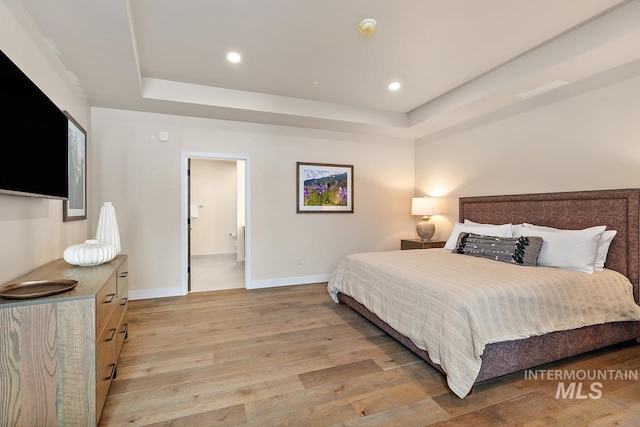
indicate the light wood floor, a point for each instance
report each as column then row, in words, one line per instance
column 291, row 357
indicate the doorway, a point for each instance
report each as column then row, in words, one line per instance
column 215, row 213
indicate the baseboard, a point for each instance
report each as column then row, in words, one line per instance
column 155, row 293
column 214, row 257
column 254, row 284
column 288, row 281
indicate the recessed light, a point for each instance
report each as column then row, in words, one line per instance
column 394, row 85
column 234, row 57
column 367, row 26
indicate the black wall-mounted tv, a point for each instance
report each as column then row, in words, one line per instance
column 33, row 138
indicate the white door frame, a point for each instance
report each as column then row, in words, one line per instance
column 184, row 158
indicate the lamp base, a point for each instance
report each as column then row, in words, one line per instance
column 425, row 230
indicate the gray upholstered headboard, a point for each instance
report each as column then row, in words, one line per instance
column 617, row 209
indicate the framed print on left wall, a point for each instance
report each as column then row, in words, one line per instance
column 76, row 207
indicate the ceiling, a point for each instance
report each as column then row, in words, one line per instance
column 306, row 64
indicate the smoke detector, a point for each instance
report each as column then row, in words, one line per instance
column 367, row 26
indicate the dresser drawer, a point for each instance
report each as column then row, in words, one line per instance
column 123, row 290
column 123, row 302
column 120, row 313
column 106, row 359
column 102, row 386
column 123, row 332
column 106, row 300
column 106, row 345
column 123, row 280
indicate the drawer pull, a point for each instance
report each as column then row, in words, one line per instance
column 113, row 332
column 111, row 297
column 123, row 275
column 124, row 301
column 113, row 371
column 125, row 330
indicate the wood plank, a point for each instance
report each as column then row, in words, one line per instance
column 189, row 399
column 322, row 414
column 421, row 413
column 229, row 416
column 388, row 398
column 349, row 370
column 223, row 375
column 628, row 395
column 347, row 390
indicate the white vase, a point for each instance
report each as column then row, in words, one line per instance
column 107, row 231
column 91, row 252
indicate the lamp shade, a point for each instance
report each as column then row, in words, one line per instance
column 425, row 206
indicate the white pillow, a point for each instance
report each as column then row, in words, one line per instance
column 469, row 222
column 568, row 249
column 503, row 230
column 603, row 244
column 603, row 249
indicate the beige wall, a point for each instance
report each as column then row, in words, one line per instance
column 213, row 186
column 142, row 179
column 31, row 229
column 588, row 142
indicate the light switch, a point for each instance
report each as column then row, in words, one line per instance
column 163, row 136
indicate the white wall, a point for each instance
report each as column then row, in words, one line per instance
column 142, row 179
column 31, row 230
column 588, row 142
column 213, row 186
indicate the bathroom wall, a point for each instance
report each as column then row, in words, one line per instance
column 213, row 190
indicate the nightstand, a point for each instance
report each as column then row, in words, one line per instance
column 419, row 244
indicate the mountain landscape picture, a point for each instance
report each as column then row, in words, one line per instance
column 328, row 190
column 324, row 187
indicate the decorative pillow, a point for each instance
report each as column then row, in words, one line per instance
column 603, row 244
column 568, row 249
column 521, row 250
column 503, row 230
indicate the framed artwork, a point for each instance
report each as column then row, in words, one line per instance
column 76, row 207
column 324, row 188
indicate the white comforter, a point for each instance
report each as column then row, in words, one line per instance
column 453, row 305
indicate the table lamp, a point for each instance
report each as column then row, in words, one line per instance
column 425, row 206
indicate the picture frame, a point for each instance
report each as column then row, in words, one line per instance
column 75, row 208
column 324, row 188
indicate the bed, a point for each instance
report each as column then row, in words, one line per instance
column 617, row 209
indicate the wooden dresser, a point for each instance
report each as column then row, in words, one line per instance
column 58, row 354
